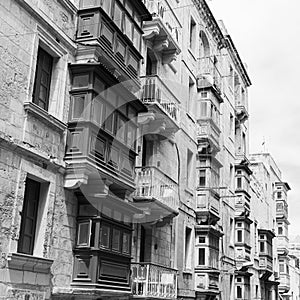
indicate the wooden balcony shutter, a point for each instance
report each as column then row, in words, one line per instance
column 29, row 217
column 42, row 81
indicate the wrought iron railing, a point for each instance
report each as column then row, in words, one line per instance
column 154, row 91
column 151, row 280
column 153, row 183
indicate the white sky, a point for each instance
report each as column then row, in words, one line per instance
column 267, row 35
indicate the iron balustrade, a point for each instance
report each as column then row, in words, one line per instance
column 151, row 280
column 154, row 91
column 151, row 182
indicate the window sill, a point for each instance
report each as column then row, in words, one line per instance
column 44, row 116
column 20, row 261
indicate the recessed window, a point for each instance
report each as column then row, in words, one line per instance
column 41, row 90
column 192, row 34
column 201, row 240
column 201, row 260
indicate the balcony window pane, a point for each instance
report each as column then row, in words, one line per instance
column 105, row 236
column 201, row 261
column 80, row 81
column 239, row 236
column 116, row 240
column 136, row 39
column 126, row 243
column 118, row 15
column 84, row 233
column 202, row 178
column 106, row 5
column 78, row 106
column 203, row 109
column 262, row 247
column 128, row 27
column 97, row 112
column 121, row 128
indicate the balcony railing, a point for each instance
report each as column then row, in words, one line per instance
column 154, row 91
column 160, row 9
column 150, row 280
column 153, row 183
column 209, row 74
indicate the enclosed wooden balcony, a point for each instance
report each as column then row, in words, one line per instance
column 208, row 136
column 156, row 193
column 161, row 103
column 162, row 30
column 208, row 204
column 281, row 210
column 209, row 75
column 151, row 281
column 282, row 245
column 241, row 104
column 285, row 283
column 242, row 205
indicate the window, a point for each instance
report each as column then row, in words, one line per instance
column 192, row 34
column 240, row 236
column 231, row 120
column 202, row 178
column 262, row 247
column 201, row 240
column 281, row 268
column 29, row 216
column 188, row 248
column 239, row 182
column 279, row 195
column 239, row 292
column 190, row 104
column 189, row 168
column 41, row 90
column 201, row 260
column 280, row 230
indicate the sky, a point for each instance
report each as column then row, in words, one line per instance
column 266, row 34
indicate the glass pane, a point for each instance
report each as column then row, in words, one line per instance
column 126, row 243
column 128, row 27
column 136, row 39
column 105, row 236
column 83, row 238
column 97, row 112
column 78, row 106
column 131, row 135
column 121, row 128
column 118, row 15
column 116, row 240
column 106, row 6
column 80, row 81
column 99, row 85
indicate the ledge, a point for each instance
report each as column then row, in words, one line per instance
column 24, row 262
column 45, row 117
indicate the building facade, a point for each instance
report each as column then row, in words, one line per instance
column 124, row 153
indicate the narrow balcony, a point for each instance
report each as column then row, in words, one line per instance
column 156, row 193
column 208, row 136
column 162, row 30
column 162, row 103
column 151, row 281
column 208, row 204
column 209, row 75
column 285, row 284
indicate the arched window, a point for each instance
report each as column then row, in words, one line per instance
column 204, row 50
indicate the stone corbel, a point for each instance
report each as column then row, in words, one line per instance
column 74, row 181
column 150, row 31
column 96, row 188
column 161, row 44
column 145, row 118
column 169, row 57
